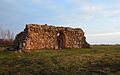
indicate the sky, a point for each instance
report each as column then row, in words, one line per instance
column 100, row 19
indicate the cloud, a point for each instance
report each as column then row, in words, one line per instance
column 106, row 34
column 104, row 38
column 100, row 11
column 91, row 9
column 97, row 9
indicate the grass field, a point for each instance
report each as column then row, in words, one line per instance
column 98, row 60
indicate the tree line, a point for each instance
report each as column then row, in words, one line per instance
column 6, row 37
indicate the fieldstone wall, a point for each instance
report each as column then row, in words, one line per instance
column 37, row 36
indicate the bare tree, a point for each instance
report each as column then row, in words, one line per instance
column 2, row 33
column 6, row 36
column 9, row 35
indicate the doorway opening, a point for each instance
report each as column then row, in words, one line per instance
column 60, row 40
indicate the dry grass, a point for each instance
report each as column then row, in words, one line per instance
column 99, row 60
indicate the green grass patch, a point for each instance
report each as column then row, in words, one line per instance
column 98, row 60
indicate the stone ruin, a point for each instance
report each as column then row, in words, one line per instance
column 36, row 37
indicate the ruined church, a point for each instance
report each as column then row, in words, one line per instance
column 37, row 36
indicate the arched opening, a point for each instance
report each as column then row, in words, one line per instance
column 60, row 40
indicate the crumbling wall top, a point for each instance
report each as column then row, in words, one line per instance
column 45, row 26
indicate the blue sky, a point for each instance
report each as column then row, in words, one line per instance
column 100, row 19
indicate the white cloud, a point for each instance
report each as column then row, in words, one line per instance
column 104, row 38
column 106, row 34
column 92, row 9
column 100, row 11
column 97, row 10
column 111, row 13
